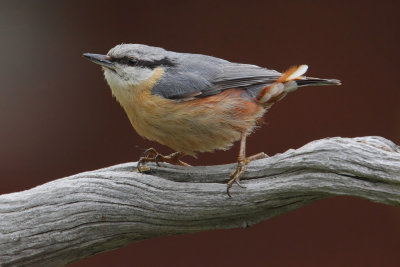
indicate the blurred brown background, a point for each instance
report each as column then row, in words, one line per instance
column 57, row 116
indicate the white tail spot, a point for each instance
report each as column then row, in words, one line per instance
column 300, row 71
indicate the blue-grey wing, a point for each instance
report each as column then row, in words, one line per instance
column 248, row 77
column 201, row 76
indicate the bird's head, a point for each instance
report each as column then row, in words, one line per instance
column 128, row 65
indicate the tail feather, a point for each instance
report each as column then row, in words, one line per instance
column 308, row 81
column 288, row 82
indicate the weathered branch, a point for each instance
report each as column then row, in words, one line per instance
column 72, row 218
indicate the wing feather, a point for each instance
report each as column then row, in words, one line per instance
column 201, row 76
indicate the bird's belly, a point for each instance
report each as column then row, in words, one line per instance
column 198, row 125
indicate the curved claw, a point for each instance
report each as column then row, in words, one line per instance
column 149, row 151
column 227, row 190
column 240, row 169
column 239, row 184
column 235, row 180
column 151, row 155
column 236, row 175
column 229, row 186
column 157, row 159
column 146, row 155
column 140, row 162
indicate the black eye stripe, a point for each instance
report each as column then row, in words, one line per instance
column 125, row 60
column 130, row 61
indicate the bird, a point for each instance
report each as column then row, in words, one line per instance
column 195, row 103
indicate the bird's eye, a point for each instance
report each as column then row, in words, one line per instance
column 132, row 61
column 126, row 60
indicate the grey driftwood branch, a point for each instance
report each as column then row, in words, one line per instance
column 72, row 218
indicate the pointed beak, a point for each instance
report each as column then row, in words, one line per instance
column 102, row 60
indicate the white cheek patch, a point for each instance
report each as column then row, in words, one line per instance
column 114, row 80
column 120, row 88
column 136, row 75
column 123, row 84
column 128, row 77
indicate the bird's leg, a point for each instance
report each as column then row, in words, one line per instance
column 151, row 155
column 242, row 163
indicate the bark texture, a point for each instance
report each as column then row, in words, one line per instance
column 75, row 217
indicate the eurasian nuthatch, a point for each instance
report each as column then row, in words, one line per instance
column 195, row 103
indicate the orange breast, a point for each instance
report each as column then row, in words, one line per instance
column 198, row 125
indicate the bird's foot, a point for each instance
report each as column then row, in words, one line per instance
column 240, row 169
column 151, row 155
